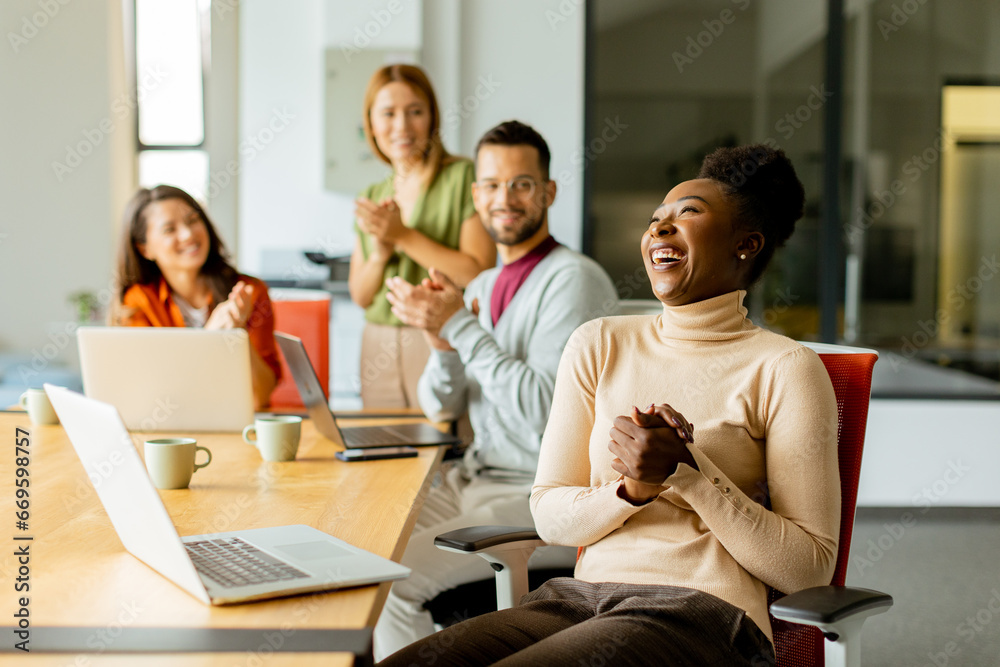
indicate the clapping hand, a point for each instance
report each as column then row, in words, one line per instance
column 234, row 312
column 647, row 446
column 382, row 222
column 425, row 306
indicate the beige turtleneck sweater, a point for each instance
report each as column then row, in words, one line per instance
column 765, row 421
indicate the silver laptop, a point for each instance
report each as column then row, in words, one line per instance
column 326, row 423
column 170, row 378
column 220, row 568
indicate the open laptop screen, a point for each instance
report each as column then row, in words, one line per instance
column 169, row 378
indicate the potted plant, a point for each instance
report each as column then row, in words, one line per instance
column 85, row 302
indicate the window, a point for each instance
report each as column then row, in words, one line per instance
column 171, row 61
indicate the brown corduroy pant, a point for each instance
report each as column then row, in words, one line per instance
column 571, row 622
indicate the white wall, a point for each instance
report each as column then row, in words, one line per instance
column 441, row 54
column 524, row 59
column 222, row 123
column 931, row 453
column 282, row 200
column 56, row 235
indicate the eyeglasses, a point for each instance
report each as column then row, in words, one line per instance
column 522, row 186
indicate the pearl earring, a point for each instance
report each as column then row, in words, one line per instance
column 743, row 256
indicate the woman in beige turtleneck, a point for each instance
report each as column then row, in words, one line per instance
column 691, row 454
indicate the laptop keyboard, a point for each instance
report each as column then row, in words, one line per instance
column 232, row 562
column 367, row 436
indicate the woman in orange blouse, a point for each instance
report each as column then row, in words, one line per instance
column 173, row 272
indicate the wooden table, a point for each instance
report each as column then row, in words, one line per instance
column 82, row 576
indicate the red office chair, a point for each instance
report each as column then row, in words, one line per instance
column 835, row 612
column 305, row 314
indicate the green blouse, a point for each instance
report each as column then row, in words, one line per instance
column 438, row 214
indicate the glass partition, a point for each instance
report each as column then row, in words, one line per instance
column 922, row 215
column 917, row 189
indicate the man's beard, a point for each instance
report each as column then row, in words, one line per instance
column 528, row 228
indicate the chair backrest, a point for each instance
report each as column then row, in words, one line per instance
column 850, row 370
column 306, row 316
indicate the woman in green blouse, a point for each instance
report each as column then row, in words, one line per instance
column 421, row 216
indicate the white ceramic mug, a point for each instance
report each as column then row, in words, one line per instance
column 276, row 436
column 38, row 406
column 171, row 461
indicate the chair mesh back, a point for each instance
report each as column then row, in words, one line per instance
column 851, row 375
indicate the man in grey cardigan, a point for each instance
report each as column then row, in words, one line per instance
column 494, row 354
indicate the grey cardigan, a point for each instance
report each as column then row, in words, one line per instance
column 504, row 377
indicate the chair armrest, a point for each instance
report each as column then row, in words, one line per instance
column 824, row 605
column 477, row 538
column 839, row 612
column 506, row 549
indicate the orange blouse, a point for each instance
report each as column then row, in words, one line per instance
column 153, row 306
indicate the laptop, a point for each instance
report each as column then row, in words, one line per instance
column 170, row 378
column 218, row 568
column 326, row 423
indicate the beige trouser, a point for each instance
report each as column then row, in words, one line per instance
column 392, row 360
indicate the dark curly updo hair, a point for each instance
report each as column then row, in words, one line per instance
column 768, row 195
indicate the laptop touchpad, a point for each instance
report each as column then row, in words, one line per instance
column 314, row 550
